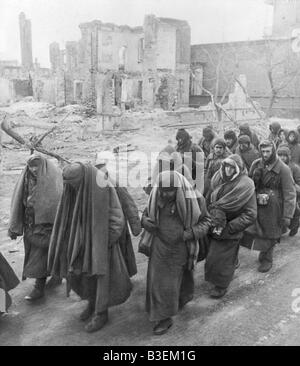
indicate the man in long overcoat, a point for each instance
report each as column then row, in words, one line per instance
column 276, row 199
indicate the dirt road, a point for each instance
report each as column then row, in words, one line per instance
column 256, row 311
column 259, row 309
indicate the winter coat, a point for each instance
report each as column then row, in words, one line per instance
column 248, row 156
column 295, row 169
column 295, row 153
column 234, row 147
column 245, row 130
column 211, row 166
column 276, row 181
column 189, row 146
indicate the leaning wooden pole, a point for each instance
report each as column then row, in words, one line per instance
column 32, row 145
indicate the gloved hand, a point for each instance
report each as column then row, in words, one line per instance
column 188, row 234
column 149, row 225
column 286, row 222
column 12, row 235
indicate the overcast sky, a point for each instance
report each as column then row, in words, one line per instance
column 58, row 20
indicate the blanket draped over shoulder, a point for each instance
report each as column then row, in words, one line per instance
column 44, row 199
column 235, row 194
column 186, row 204
column 80, row 237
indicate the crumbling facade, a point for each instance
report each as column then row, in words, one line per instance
column 271, row 66
column 286, row 17
column 19, row 81
column 114, row 68
column 26, row 42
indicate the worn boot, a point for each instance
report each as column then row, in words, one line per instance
column 97, row 322
column 53, row 282
column 266, row 260
column 293, row 232
column 38, row 290
column 162, row 326
column 88, row 311
column 218, row 292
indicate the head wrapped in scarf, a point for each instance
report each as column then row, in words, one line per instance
column 275, row 127
column 282, row 130
column 230, row 135
column 284, row 150
column 208, row 133
column 234, row 161
column 219, row 141
column 296, row 140
column 244, row 139
column 183, row 135
column 245, row 129
column 73, row 174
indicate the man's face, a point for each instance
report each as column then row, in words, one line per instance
column 218, row 150
column 229, row 170
column 34, row 167
column 282, row 136
column 244, row 146
column 168, row 195
column 266, row 152
column 292, row 137
column 284, row 158
column 229, row 142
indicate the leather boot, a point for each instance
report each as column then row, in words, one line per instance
column 88, row 311
column 266, row 260
column 53, row 282
column 162, row 326
column 38, row 290
column 97, row 322
column 218, row 292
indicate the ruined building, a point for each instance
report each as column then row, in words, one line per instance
column 19, row 81
column 264, row 63
column 26, row 42
column 117, row 67
column 286, row 17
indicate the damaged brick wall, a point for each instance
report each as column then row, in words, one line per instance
column 128, row 62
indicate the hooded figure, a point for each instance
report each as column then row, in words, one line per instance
column 208, row 135
column 189, row 151
column 33, row 209
column 84, row 246
column 294, row 146
column 274, row 128
column 8, row 281
column 285, row 155
column 245, row 130
column 276, row 199
column 247, row 151
column 282, row 135
column 231, row 140
column 233, row 208
column 213, row 162
column 174, row 220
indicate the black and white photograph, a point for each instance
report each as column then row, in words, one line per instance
column 149, row 175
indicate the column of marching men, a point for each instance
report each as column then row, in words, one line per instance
column 76, row 228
